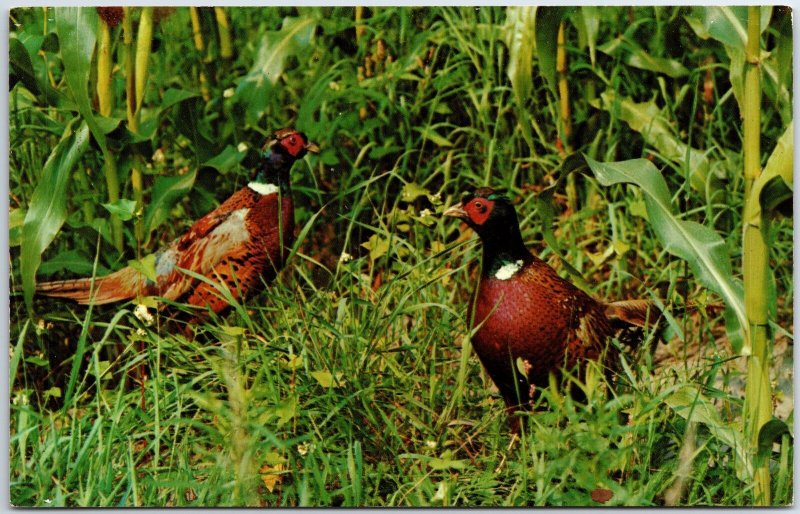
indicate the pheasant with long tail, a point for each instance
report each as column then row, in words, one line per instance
column 244, row 240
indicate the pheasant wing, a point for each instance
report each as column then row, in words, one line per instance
column 245, row 198
column 202, row 254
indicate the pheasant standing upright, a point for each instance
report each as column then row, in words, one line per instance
column 243, row 240
column 523, row 310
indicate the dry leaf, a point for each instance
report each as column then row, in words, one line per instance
column 602, row 495
column 271, row 476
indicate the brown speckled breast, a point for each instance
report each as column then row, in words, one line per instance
column 271, row 225
column 539, row 317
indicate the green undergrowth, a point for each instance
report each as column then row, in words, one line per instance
column 349, row 381
column 348, row 397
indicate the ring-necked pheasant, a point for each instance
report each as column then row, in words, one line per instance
column 245, row 239
column 524, row 310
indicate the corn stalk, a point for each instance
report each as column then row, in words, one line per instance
column 755, row 261
column 566, row 125
column 139, row 71
column 199, row 45
column 104, row 68
column 359, row 14
column 225, row 46
column 130, row 71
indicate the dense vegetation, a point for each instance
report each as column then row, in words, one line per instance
column 349, row 381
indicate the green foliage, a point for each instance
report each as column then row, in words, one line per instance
column 701, row 247
column 275, row 48
column 519, row 32
column 646, row 119
column 547, row 21
column 47, row 210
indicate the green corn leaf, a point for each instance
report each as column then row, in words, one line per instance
column 21, row 66
column 588, row 24
column 634, row 55
column 77, row 34
column 770, row 433
column 778, row 66
column 48, row 210
column 295, row 33
column 728, row 25
column 647, row 119
column 775, row 184
column 736, row 73
column 226, row 160
column 519, row 31
column 16, row 219
column 701, row 247
column 21, row 69
column 276, row 47
column 167, row 191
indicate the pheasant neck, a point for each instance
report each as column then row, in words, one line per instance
column 504, row 252
column 273, row 174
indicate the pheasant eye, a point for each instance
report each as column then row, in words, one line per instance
column 292, row 141
column 480, row 206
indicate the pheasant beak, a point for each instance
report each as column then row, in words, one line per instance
column 456, row 211
column 312, row 147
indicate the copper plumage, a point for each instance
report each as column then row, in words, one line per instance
column 530, row 321
column 243, row 241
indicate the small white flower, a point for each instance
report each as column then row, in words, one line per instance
column 143, row 315
column 140, row 332
column 424, row 213
column 242, row 147
column 345, row 257
column 158, row 155
column 302, row 449
column 436, row 198
column 48, row 501
column 431, row 444
column 334, row 86
column 228, row 92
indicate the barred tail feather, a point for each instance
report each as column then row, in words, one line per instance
column 639, row 313
column 120, row 285
column 632, row 320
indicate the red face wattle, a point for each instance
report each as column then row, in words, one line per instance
column 478, row 210
column 294, row 144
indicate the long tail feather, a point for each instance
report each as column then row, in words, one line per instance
column 120, row 285
column 640, row 313
column 632, row 320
